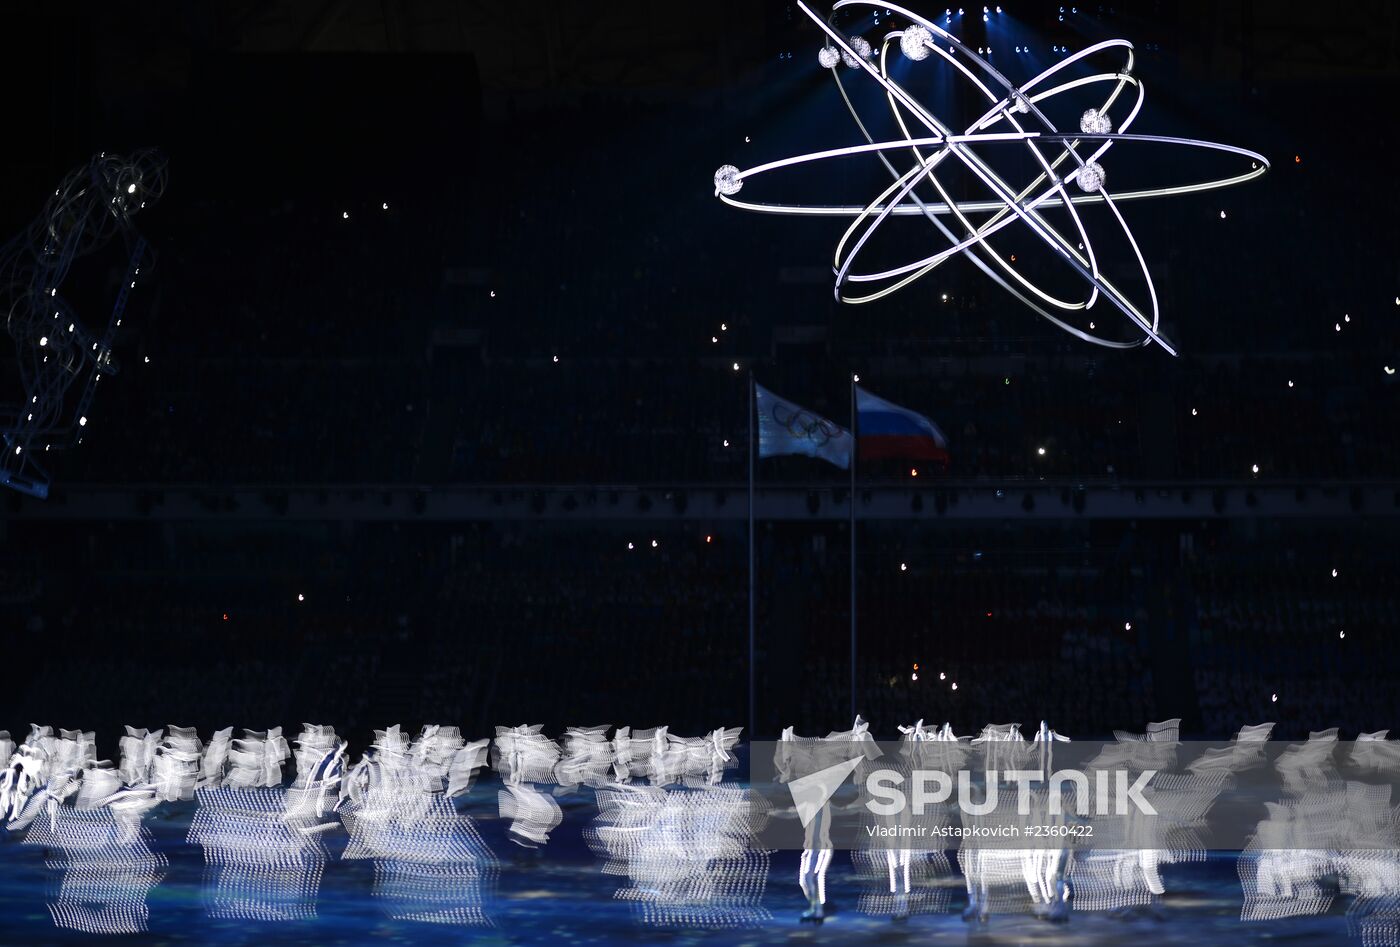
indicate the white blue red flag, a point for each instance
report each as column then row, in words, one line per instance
column 887, row 430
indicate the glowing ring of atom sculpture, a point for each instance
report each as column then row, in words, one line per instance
column 1013, row 119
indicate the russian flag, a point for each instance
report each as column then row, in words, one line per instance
column 885, row 430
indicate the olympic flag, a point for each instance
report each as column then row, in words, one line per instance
column 787, row 428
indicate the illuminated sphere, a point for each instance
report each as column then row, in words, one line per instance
column 829, row 57
column 1094, row 122
column 727, row 180
column 862, row 47
column 915, row 42
column 1091, row 176
column 1023, row 104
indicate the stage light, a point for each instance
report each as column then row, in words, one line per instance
column 1193, row 412
column 724, row 327
column 82, row 421
column 714, row 339
column 131, row 189
column 1273, row 698
column 945, row 297
column 653, row 544
column 942, row 676
column 913, row 471
column 1341, row 634
column 225, row 616
column 1338, row 327
column 1127, row 626
column 828, row 57
column 1346, row 318
column 148, row 360
column 709, row 539
column 301, row 597
column 345, row 215
column 736, row 366
column 1040, row 451
column 18, row 449
column 728, row 181
column 1290, row 383
column 914, row 676
column 1389, row 370
column 903, row 567
column 1222, row 215
column 384, row 206
column 1255, row 469
column 556, row 360
column 1334, row 573
column 726, row 442
column 43, row 340
column 955, row 685
column 855, row 378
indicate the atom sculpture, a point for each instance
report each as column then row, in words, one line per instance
column 1014, row 117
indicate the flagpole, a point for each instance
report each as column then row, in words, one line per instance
column 753, row 713
column 852, row 527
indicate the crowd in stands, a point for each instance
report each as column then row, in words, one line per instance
column 485, row 624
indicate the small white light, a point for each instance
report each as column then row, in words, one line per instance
column 653, row 544
column 43, row 340
column 18, row 449
column 1341, row 634
column 1254, row 467
column 904, row 567
column 1346, row 318
column 1290, row 383
column 914, row 676
column 148, row 360
column 301, row 597
column 630, row 546
column 955, row 685
column 942, row 676
column 1127, row 626
column 492, row 294
column 1193, row 412
column 724, row 327
column 1273, row 698
column 1040, row 451
column 1334, row 573
column 714, row 338
column 82, row 422
column 1338, row 327
column 1222, row 215
column 1389, row 370
column 736, row 366
column 384, row 206
column 726, row 442
column 855, row 377
column 131, row 189
column 345, row 215
column 556, row 360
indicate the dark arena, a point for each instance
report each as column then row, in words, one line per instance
column 754, row 472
